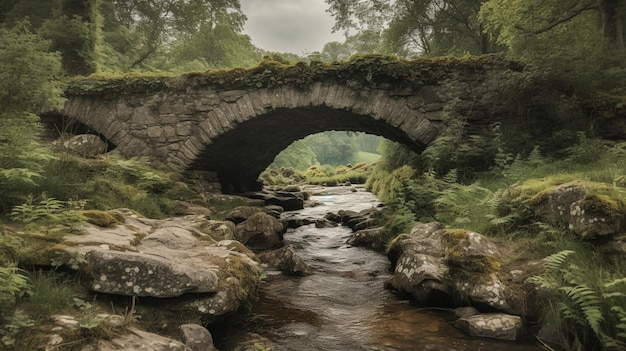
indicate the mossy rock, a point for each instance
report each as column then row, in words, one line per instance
column 588, row 209
column 103, row 218
column 469, row 255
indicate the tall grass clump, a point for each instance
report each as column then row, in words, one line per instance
column 51, row 293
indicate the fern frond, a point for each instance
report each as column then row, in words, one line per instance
column 615, row 282
column 555, row 261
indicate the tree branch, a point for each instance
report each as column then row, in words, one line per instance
column 556, row 22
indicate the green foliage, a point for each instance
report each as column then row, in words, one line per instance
column 416, row 27
column 395, row 219
column 298, row 155
column 74, row 30
column 50, row 213
column 14, row 284
column 583, row 32
column 113, row 183
column 28, row 84
column 466, row 207
column 12, row 326
column 585, row 302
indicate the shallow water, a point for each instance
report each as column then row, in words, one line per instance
column 344, row 305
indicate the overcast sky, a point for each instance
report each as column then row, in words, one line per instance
column 296, row 26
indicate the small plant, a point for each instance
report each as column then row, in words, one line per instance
column 14, row 284
column 71, row 260
column 50, row 213
column 12, row 326
column 50, row 293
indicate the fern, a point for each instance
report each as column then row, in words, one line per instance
column 589, row 309
column 555, row 261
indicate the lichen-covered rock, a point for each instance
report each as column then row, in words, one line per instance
column 175, row 260
column 85, row 145
column 575, row 206
column 140, row 274
column 260, row 231
column 446, row 264
column 286, row 260
column 418, row 264
column 218, row 230
column 492, row 325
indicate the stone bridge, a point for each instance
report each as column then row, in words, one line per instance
column 235, row 122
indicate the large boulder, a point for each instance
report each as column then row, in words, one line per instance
column 260, row 231
column 174, row 262
column 434, row 264
column 241, row 213
column 579, row 207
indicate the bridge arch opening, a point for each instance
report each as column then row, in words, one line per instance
column 56, row 125
column 242, row 153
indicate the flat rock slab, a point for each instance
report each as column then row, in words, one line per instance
column 168, row 259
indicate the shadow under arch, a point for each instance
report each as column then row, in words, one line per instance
column 239, row 155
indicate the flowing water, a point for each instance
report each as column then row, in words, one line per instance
column 344, row 305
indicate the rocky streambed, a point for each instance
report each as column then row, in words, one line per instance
column 260, row 278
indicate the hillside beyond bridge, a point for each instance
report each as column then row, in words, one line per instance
column 234, row 122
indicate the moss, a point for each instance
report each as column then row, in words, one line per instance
column 138, row 237
column 360, row 71
column 245, row 285
column 465, row 266
column 241, row 248
column 101, row 218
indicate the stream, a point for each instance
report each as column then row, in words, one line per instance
column 344, row 305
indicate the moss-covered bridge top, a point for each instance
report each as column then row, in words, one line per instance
column 371, row 71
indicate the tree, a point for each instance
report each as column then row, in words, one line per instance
column 417, row 26
column 583, row 38
column 140, row 30
column 298, row 155
column 73, row 27
column 29, row 83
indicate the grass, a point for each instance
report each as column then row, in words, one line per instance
column 51, row 293
column 366, row 157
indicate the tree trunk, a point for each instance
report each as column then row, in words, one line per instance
column 80, row 53
column 612, row 24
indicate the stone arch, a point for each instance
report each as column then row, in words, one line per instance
column 244, row 133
